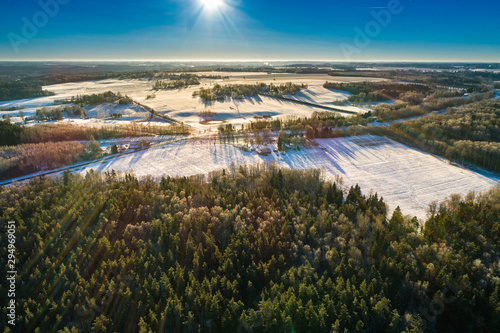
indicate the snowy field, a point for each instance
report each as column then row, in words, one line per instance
column 405, row 177
column 98, row 116
column 318, row 94
column 181, row 105
column 133, row 88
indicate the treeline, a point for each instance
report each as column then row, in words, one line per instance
column 11, row 134
column 471, row 82
column 293, row 131
column 364, row 92
column 67, row 76
column 186, row 76
column 255, row 249
column 57, row 113
column 475, row 82
column 176, row 83
column 19, row 89
column 12, row 108
column 262, row 136
column 320, row 121
column 239, row 91
column 106, row 97
column 124, row 75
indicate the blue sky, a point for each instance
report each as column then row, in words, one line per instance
column 417, row 30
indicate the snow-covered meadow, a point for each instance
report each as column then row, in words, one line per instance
column 182, row 106
column 404, row 176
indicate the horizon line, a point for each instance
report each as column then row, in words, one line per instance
column 255, row 60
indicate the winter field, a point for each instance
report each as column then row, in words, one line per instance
column 404, row 176
column 182, row 106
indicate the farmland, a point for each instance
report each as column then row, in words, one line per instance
column 180, row 104
column 405, row 177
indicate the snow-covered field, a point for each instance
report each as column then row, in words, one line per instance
column 68, row 90
column 181, row 105
column 97, row 115
column 405, row 177
column 317, row 94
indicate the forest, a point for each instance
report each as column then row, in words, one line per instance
column 239, row 91
column 106, row 97
column 249, row 249
column 469, row 81
column 12, row 134
column 435, row 102
column 364, row 92
column 12, row 90
column 177, row 82
column 16, row 161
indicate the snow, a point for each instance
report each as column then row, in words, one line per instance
column 132, row 114
column 404, row 176
column 68, row 90
column 181, row 158
column 237, row 111
column 317, row 94
column 320, row 95
column 182, row 106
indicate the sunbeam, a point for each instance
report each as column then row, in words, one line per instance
column 212, row 5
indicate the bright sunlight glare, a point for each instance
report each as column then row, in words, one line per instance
column 212, row 4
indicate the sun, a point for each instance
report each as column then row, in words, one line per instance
column 212, row 4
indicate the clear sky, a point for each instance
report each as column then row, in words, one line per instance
column 413, row 30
